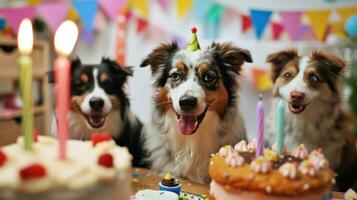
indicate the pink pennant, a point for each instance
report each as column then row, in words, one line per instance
column 13, row 16
column 163, row 4
column 277, row 30
column 142, row 24
column 306, row 33
column 291, row 23
column 112, row 7
column 53, row 14
column 100, row 21
column 229, row 15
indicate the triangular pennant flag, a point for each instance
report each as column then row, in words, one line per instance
column 215, row 13
column 100, row 21
column 318, row 22
column 72, row 14
column 53, row 20
column 261, row 79
column 183, row 6
column 229, row 15
column 112, row 7
column 87, row 36
column 291, row 23
column 305, row 33
column 201, row 8
column 141, row 24
column 87, row 9
column 141, row 6
column 246, row 23
column 13, row 16
column 277, row 30
column 34, row 2
column 164, row 4
column 260, row 19
column 345, row 13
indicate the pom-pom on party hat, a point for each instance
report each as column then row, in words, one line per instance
column 193, row 45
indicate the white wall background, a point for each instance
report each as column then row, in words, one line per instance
column 139, row 45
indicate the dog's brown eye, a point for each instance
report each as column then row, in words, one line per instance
column 287, row 76
column 175, row 76
column 208, row 78
column 313, row 78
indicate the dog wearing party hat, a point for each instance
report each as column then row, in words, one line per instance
column 194, row 106
column 316, row 115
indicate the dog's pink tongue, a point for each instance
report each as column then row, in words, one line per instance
column 187, row 124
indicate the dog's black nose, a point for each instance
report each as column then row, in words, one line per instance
column 188, row 103
column 96, row 103
column 297, row 96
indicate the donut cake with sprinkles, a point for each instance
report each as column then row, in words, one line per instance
column 92, row 170
column 238, row 174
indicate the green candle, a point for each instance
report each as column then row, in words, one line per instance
column 25, row 43
column 280, row 126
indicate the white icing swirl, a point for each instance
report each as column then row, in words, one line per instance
column 234, row 159
column 288, row 170
column 306, row 167
column 300, row 152
column 321, row 163
column 241, row 146
column 252, row 145
column 261, row 165
column 225, row 150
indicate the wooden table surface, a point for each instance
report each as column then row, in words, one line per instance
column 146, row 179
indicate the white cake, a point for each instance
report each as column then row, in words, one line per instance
column 89, row 172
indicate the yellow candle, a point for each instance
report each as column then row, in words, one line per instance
column 25, row 43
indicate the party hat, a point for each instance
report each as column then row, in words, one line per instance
column 193, row 45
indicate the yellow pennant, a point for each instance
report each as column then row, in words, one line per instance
column 339, row 29
column 141, row 6
column 318, row 22
column 34, row 2
column 183, row 6
column 345, row 13
column 72, row 14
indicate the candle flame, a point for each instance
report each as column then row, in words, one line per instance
column 25, row 36
column 66, row 37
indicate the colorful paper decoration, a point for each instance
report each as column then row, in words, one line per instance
column 100, row 21
column 72, row 14
column 141, row 24
column 183, row 6
column 215, row 13
column 305, row 33
column 86, row 10
column 318, row 22
column 112, row 7
column 13, row 16
column 53, row 20
column 120, row 36
column 202, row 8
column 141, row 6
column 246, row 23
column 260, row 19
column 261, row 79
column 164, row 4
column 229, row 15
column 291, row 23
column 34, row 2
column 277, row 30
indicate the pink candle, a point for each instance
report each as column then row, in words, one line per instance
column 260, row 132
column 65, row 39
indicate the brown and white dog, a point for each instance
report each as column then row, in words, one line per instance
column 316, row 114
column 195, row 107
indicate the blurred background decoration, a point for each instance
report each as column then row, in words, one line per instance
column 128, row 30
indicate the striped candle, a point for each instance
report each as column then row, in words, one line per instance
column 280, row 126
column 260, row 132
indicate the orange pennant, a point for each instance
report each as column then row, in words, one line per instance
column 261, row 79
column 319, row 22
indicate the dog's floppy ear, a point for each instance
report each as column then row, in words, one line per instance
column 117, row 69
column 160, row 56
column 231, row 56
column 333, row 63
column 279, row 59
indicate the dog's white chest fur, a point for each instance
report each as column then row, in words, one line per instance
column 189, row 156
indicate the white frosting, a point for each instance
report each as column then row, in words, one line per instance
column 261, row 165
column 318, row 160
column 275, row 147
column 234, row 159
column 79, row 170
column 300, row 152
column 225, row 150
column 288, row 170
column 252, row 145
column 306, row 167
column 156, row 194
column 241, row 146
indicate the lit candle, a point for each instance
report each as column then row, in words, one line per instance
column 65, row 39
column 260, row 132
column 280, row 126
column 25, row 43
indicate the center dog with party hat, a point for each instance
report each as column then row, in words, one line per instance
column 195, row 105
